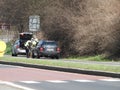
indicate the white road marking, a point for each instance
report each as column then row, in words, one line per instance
column 15, row 85
column 1, row 82
column 110, row 80
column 29, row 82
column 56, row 81
column 83, row 80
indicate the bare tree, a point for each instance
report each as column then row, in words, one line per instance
column 15, row 12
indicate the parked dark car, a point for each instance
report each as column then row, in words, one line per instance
column 46, row 48
column 18, row 47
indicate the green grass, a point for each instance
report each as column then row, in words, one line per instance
column 60, row 63
column 8, row 48
column 90, row 58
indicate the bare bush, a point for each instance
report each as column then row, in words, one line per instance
column 83, row 27
column 94, row 32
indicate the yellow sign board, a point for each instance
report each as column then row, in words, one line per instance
column 2, row 48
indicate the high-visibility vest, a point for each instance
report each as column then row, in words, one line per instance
column 34, row 41
column 27, row 43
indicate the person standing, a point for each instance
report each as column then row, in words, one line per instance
column 28, row 47
column 34, row 41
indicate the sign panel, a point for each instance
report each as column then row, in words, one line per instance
column 34, row 23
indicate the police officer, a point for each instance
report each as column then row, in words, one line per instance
column 28, row 46
column 34, row 41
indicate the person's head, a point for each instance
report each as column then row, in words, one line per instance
column 32, row 39
column 34, row 36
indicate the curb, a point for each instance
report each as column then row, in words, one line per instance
column 80, row 71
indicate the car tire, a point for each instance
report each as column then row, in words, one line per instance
column 52, row 57
column 57, row 57
column 38, row 56
column 14, row 54
column 33, row 55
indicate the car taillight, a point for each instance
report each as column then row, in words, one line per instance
column 41, row 49
column 21, row 34
column 58, row 49
column 17, row 46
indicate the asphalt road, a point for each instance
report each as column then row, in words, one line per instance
column 23, row 78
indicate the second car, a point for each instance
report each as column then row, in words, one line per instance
column 46, row 48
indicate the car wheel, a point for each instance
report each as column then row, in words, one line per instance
column 57, row 57
column 13, row 54
column 38, row 56
column 33, row 55
column 52, row 57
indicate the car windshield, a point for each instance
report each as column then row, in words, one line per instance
column 50, row 43
column 46, row 43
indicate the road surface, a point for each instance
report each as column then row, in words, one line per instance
column 23, row 78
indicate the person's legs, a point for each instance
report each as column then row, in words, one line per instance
column 27, row 52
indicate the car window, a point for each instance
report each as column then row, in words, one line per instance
column 17, row 42
column 50, row 43
column 40, row 43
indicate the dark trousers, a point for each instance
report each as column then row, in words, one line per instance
column 27, row 52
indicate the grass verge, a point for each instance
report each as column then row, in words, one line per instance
column 59, row 63
column 90, row 58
